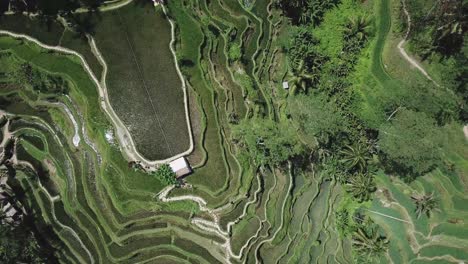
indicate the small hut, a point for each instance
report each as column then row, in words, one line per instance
column 181, row 167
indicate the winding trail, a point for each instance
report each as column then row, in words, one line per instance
column 214, row 226
column 405, row 55
column 76, row 137
column 123, row 135
column 107, row 6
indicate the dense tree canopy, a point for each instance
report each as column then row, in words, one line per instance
column 438, row 34
column 166, row 174
column 438, row 27
column 316, row 117
column 440, row 104
column 306, row 11
column 411, row 143
column 18, row 245
column 52, row 8
column 22, row 73
column 266, row 141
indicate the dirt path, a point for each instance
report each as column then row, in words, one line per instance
column 107, row 6
column 76, row 137
column 405, row 55
column 214, row 226
column 111, row 6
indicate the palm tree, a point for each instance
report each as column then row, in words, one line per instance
column 425, row 204
column 300, row 78
column 369, row 243
column 357, row 27
column 355, row 157
column 361, row 186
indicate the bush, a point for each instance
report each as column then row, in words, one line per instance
column 234, row 52
column 267, row 142
column 166, row 174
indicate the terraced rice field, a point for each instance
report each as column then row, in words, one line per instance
column 116, row 209
column 153, row 108
column 100, row 210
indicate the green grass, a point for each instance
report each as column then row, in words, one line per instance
column 384, row 22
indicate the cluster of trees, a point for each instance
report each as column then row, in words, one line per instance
column 438, row 34
column 438, row 26
column 18, row 245
column 22, row 240
column 303, row 12
column 320, row 125
column 23, row 74
column 305, row 61
column 322, row 112
column 166, row 175
column 267, row 142
column 48, row 12
column 367, row 238
column 42, row 82
column 368, row 241
column 403, row 135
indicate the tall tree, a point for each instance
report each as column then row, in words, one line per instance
column 361, row 186
column 300, row 78
column 425, row 204
column 357, row 27
column 369, row 243
column 355, row 157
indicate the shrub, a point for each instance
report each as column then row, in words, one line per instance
column 234, row 52
column 166, row 174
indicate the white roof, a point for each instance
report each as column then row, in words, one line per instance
column 11, row 212
column 285, row 85
column 6, row 207
column 179, row 164
column 3, row 180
